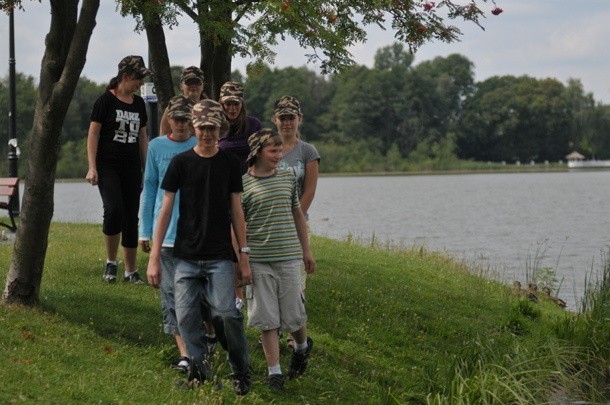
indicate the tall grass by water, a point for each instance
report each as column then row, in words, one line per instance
column 389, row 325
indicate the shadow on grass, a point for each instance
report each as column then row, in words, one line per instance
column 126, row 312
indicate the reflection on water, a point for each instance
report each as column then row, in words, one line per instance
column 504, row 222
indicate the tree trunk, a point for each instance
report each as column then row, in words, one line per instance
column 159, row 58
column 62, row 64
column 216, row 50
column 215, row 63
column 216, row 55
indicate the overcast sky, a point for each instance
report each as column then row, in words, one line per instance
column 541, row 38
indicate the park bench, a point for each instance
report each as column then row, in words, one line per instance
column 8, row 190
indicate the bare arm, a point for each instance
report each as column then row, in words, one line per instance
column 153, row 271
column 143, row 141
column 239, row 229
column 301, row 225
column 309, row 185
column 93, row 137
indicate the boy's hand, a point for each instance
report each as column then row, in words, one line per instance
column 153, row 273
column 310, row 263
column 246, row 272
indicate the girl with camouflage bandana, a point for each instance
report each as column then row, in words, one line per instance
column 299, row 157
column 241, row 125
column 116, row 150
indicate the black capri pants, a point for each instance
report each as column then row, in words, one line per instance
column 120, row 186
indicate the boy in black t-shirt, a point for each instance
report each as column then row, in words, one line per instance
column 209, row 181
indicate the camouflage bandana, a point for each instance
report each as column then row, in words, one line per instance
column 133, row 64
column 287, row 105
column 232, row 91
column 191, row 72
column 257, row 142
column 208, row 112
column 180, row 107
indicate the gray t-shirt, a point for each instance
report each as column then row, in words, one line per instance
column 297, row 158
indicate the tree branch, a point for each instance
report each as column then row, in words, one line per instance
column 187, row 10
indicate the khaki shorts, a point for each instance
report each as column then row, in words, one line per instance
column 275, row 299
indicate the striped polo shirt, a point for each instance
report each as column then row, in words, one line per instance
column 268, row 203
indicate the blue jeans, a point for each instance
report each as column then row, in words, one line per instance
column 168, row 307
column 212, row 281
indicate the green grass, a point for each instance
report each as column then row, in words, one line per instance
column 389, row 325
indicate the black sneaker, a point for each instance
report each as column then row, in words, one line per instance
column 275, row 382
column 197, row 375
column 298, row 362
column 242, row 383
column 110, row 273
column 133, row 278
column 182, row 365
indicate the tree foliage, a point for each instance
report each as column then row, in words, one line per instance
column 394, row 116
column 326, row 29
column 516, row 119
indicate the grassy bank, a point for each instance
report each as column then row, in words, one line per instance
column 389, row 327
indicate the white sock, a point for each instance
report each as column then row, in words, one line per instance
column 129, row 273
column 111, row 262
column 277, row 369
column 300, row 347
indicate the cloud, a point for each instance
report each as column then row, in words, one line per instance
column 584, row 38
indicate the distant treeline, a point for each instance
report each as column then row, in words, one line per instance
column 394, row 116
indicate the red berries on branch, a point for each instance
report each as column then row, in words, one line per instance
column 429, row 6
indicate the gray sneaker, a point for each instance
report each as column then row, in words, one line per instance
column 110, row 273
column 133, row 278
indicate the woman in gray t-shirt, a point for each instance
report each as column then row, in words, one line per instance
column 299, row 156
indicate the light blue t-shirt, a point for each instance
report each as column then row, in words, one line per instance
column 161, row 150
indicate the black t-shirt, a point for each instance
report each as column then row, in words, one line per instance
column 205, row 185
column 121, row 123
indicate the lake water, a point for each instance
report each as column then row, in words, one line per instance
column 503, row 222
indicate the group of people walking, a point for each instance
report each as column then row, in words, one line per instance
column 223, row 206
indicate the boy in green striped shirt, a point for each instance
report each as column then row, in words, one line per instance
column 277, row 240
